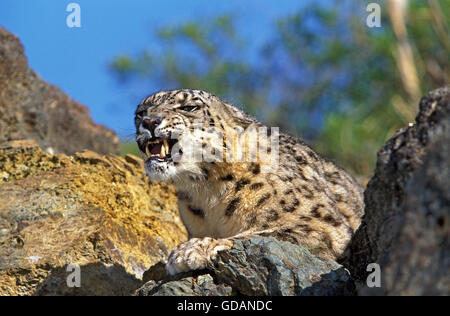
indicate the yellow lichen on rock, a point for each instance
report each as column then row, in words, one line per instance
column 99, row 212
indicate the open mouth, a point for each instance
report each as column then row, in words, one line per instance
column 159, row 149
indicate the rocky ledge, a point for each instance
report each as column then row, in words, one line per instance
column 406, row 229
column 256, row 266
column 97, row 212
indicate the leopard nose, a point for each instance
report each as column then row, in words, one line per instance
column 151, row 123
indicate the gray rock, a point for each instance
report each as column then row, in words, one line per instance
column 260, row 266
column 406, row 226
column 201, row 285
column 422, row 251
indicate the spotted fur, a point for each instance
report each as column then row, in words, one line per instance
column 306, row 199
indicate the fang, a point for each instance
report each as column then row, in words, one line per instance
column 166, row 146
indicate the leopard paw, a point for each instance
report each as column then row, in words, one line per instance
column 195, row 254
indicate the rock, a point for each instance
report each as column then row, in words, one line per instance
column 260, row 266
column 156, row 272
column 99, row 212
column 406, row 226
column 200, row 285
column 33, row 109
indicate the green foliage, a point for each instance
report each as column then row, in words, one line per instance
column 128, row 147
column 324, row 75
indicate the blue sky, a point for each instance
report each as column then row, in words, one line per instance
column 76, row 59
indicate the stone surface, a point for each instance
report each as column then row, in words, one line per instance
column 199, row 285
column 99, row 212
column 406, row 227
column 260, row 266
column 30, row 108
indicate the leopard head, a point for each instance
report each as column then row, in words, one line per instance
column 174, row 130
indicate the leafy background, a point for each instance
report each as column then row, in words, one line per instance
column 323, row 74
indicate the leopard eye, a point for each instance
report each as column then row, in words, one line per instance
column 189, row 108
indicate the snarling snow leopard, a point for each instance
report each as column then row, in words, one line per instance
column 236, row 178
